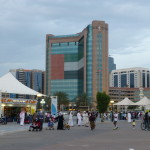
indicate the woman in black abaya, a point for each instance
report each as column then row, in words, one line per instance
column 60, row 125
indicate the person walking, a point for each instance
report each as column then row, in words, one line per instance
column 115, row 120
column 85, row 119
column 146, row 120
column 92, row 119
column 41, row 118
column 133, row 123
column 35, row 116
column 60, row 119
column 129, row 117
column 79, row 117
column 22, row 117
column 70, row 122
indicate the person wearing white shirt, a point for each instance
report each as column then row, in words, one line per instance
column 70, row 122
column 115, row 120
column 85, row 119
column 22, row 117
column 129, row 117
column 79, row 117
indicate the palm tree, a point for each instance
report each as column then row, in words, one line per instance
column 62, row 99
column 82, row 100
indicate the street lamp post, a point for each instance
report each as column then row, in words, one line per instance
column 112, row 117
column 38, row 96
column 42, row 102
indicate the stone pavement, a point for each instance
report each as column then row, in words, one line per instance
column 14, row 127
column 78, row 138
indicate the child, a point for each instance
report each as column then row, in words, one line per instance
column 133, row 124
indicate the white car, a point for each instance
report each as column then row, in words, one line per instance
column 64, row 112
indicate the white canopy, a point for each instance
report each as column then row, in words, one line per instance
column 143, row 102
column 9, row 84
column 125, row 102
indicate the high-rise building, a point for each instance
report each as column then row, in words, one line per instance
column 34, row 79
column 111, row 64
column 78, row 63
column 130, row 77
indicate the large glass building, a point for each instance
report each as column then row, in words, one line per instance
column 78, row 63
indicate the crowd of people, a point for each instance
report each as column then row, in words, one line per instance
column 83, row 119
column 124, row 115
column 86, row 118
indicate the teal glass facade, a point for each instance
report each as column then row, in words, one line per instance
column 72, row 82
column 89, row 57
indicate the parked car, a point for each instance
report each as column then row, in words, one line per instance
column 64, row 112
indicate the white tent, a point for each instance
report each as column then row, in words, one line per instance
column 9, row 84
column 143, row 102
column 125, row 102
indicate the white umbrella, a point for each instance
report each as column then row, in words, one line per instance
column 143, row 102
column 125, row 102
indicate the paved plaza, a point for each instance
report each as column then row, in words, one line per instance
column 15, row 137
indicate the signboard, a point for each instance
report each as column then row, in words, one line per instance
column 18, row 101
column 54, row 105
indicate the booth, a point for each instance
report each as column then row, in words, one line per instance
column 11, row 106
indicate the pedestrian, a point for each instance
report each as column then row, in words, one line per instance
column 70, row 122
column 129, row 117
column 79, row 117
column 35, row 116
column 146, row 120
column 60, row 119
column 41, row 119
column 85, row 119
column 22, row 116
column 92, row 119
column 133, row 123
column 115, row 120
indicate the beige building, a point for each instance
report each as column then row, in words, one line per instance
column 135, row 94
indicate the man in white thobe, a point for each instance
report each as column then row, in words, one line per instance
column 79, row 117
column 70, row 122
column 129, row 117
column 85, row 119
column 22, row 117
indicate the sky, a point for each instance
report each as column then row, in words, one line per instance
column 25, row 23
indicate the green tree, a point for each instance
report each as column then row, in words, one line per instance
column 102, row 101
column 47, row 105
column 82, row 100
column 62, row 98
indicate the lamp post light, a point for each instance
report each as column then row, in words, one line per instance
column 112, row 117
column 42, row 102
column 38, row 96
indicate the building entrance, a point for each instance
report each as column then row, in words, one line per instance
column 12, row 113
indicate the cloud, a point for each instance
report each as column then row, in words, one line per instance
column 136, row 44
column 24, row 25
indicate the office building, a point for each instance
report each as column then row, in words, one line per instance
column 130, row 77
column 118, row 94
column 34, row 79
column 111, row 64
column 78, row 63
